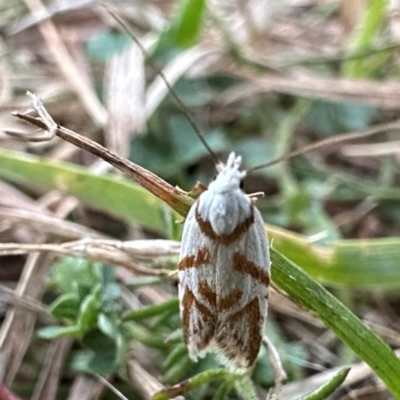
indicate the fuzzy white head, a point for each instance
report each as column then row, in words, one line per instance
column 224, row 204
column 229, row 176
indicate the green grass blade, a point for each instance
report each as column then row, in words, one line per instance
column 358, row 262
column 190, row 22
column 245, row 387
column 329, row 387
column 114, row 194
column 192, row 383
column 365, row 33
column 311, row 295
column 152, row 311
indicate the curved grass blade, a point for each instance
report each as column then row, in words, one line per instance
column 310, row 295
column 189, row 23
column 114, row 194
column 244, row 386
column 152, row 311
column 358, row 262
column 192, row 383
column 329, row 387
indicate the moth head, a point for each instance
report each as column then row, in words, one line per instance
column 229, row 176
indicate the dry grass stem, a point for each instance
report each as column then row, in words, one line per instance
column 145, row 382
column 102, row 251
column 85, row 387
column 9, row 296
column 17, row 328
column 47, row 223
column 66, row 64
column 52, row 369
column 154, row 184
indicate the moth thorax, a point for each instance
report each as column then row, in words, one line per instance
column 224, row 205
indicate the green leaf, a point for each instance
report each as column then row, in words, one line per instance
column 112, row 292
column 105, row 353
column 254, row 152
column 89, row 309
column 102, row 46
column 197, row 381
column 53, row 332
column 365, row 33
column 329, row 387
column 144, row 335
column 178, row 353
column 328, row 118
column 223, row 391
column 114, row 194
column 178, row 148
column 70, row 275
column 151, row 311
column 66, row 307
column 245, row 387
column 178, row 369
column 189, row 23
column 109, row 326
column 311, row 295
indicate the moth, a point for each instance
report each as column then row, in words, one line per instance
column 224, row 272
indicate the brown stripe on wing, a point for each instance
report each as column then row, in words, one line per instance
column 206, row 291
column 206, row 228
column 240, row 346
column 203, row 329
column 220, row 303
column 201, row 258
column 243, row 265
column 230, row 300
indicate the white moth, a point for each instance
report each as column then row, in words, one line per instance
column 224, row 272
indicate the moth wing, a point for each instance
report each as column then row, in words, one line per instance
column 242, row 286
column 197, row 295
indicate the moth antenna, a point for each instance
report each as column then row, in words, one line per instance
column 336, row 139
column 177, row 99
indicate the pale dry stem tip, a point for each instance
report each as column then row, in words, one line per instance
column 46, row 119
column 173, row 274
column 21, row 135
column 180, row 191
column 28, row 136
column 197, row 189
column 43, row 114
column 279, row 372
column 105, row 382
column 255, row 196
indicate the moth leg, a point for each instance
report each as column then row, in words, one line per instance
column 255, row 196
column 279, row 372
column 173, row 273
column 197, row 189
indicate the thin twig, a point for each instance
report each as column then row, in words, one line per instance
column 374, row 130
column 111, row 387
column 279, row 372
column 86, row 249
column 173, row 196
